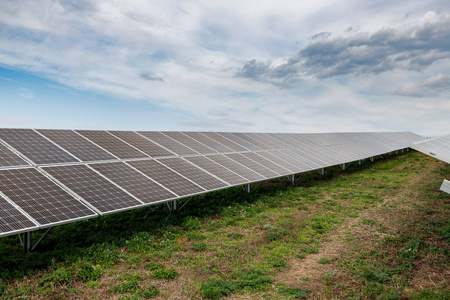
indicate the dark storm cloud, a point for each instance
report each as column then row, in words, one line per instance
column 412, row 47
column 150, row 76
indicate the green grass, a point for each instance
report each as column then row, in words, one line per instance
column 229, row 242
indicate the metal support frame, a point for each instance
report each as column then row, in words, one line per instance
column 292, row 179
column 27, row 243
column 359, row 162
column 321, row 171
column 248, row 187
column 173, row 205
column 343, row 166
column 371, row 159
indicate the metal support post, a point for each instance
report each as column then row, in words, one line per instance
column 248, row 188
column 396, row 152
column 371, row 158
column 359, row 162
column 343, row 166
column 292, row 179
column 321, row 171
column 27, row 242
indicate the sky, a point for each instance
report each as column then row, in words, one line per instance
column 251, row 66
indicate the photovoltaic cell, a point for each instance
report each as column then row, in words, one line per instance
column 93, row 188
column 143, row 144
column 166, row 177
column 208, row 142
column 168, row 143
column 112, row 144
column 76, row 145
column 193, row 173
column 236, row 167
column 35, row 147
column 224, row 141
column 254, row 141
column 12, row 221
column 218, row 170
column 9, row 158
column 240, row 141
column 253, row 165
column 279, row 161
column 41, row 198
column 438, row 148
column 187, row 141
column 134, row 182
column 267, row 163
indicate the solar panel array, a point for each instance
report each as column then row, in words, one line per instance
column 51, row 177
column 439, row 148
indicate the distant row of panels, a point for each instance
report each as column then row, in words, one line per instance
column 47, row 146
column 47, row 195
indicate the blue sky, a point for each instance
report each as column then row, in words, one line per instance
column 270, row 66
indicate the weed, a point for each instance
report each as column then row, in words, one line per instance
column 375, row 275
column 431, row 295
column 328, row 277
column 89, row 272
column 217, row 289
column 300, row 255
column 310, row 250
column 148, row 292
column 191, row 223
column 195, row 236
column 235, row 236
column 280, row 264
column 251, row 280
column 152, row 266
column 59, row 276
column 292, row 293
column 130, row 286
column 324, row 260
column 306, row 278
column 199, row 246
column 368, row 222
column 165, row 274
column 140, row 242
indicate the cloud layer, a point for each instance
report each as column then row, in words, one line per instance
column 414, row 46
column 244, row 66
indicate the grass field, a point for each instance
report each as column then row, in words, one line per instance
column 376, row 231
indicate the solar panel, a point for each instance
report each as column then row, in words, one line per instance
column 236, row 167
column 208, row 142
column 309, row 157
column 445, row 187
column 217, row 170
column 143, row 144
column 193, row 173
column 224, row 141
column 188, row 141
column 266, row 172
column 112, row 144
column 266, row 163
column 257, row 142
column 168, row 143
column 9, row 158
column 296, row 158
column 77, row 145
column 273, row 142
column 284, row 163
column 134, row 182
column 281, row 137
column 240, row 141
column 93, row 188
column 438, row 147
column 42, row 199
column 12, row 220
column 166, row 177
column 35, row 147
